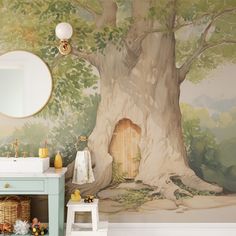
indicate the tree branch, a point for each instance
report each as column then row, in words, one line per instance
column 224, row 41
column 108, row 16
column 139, row 29
column 57, row 58
column 182, row 25
column 134, row 48
column 184, row 69
column 214, row 18
column 85, row 6
column 144, row 26
column 197, row 19
column 172, row 17
column 202, row 45
column 90, row 57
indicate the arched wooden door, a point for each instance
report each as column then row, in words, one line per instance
column 124, row 147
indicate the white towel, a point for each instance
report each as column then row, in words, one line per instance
column 83, row 172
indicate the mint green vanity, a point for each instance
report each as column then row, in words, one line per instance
column 51, row 183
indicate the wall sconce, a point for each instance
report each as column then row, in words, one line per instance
column 64, row 32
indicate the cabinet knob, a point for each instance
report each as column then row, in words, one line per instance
column 6, row 185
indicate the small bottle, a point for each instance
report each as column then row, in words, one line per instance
column 58, row 161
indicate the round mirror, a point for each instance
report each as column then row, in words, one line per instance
column 25, row 83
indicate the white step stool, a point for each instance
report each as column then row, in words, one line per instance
column 84, row 229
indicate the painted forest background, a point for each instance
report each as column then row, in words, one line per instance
column 209, row 122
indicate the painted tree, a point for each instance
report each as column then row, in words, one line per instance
column 141, row 77
column 143, row 51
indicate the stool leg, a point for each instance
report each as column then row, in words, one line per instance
column 95, row 219
column 70, row 221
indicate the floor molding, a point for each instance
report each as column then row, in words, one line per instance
column 172, row 229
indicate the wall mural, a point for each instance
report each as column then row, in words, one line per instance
column 151, row 83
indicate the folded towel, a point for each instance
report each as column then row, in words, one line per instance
column 83, row 172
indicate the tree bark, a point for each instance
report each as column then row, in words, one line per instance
column 148, row 95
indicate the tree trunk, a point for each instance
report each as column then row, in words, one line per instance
column 148, row 95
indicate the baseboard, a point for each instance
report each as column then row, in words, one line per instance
column 172, row 229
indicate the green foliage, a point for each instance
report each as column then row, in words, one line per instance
column 137, row 157
column 117, row 175
column 194, row 192
column 110, row 34
column 230, row 181
column 122, row 2
column 161, row 10
column 72, row 76
column 124, row 12
column 91, row 5
column 201, row 146
column 225, row 127
column 213, row 162
column 222, row 125
column 197, row 14
column 205, row 63
column 30, row 136
column 62, row 135
column 134, row 198
column 227, row 152
column 190, row 11
column 68, row 127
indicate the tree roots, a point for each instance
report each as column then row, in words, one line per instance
column 174, row 186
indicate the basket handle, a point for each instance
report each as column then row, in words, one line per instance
column 16, row 198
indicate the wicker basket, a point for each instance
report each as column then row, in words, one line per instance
column 14, row 208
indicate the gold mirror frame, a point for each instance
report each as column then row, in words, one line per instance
column 34, row 58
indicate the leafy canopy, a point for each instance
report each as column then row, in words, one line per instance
column 30, row 25
column 194, row 17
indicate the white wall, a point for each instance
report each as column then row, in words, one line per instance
column 172, row 229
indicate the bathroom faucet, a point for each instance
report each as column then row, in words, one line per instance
column 16, row 147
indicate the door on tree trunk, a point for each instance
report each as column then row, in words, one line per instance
column 124, row 148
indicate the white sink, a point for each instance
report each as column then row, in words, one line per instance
column 24, row 165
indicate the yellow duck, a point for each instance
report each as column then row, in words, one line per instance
column 76, row 196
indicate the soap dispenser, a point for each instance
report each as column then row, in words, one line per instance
column 58, row 161
column 43, row 151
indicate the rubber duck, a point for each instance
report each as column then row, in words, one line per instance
column 76, row 195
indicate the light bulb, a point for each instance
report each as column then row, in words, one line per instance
column 64, row 31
